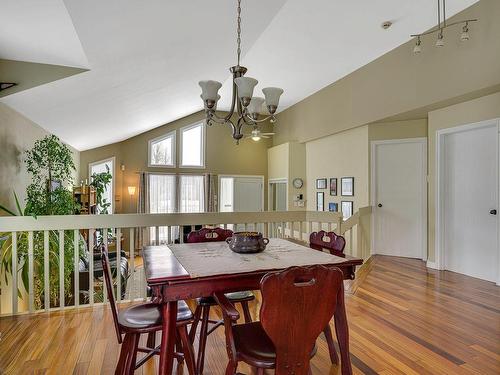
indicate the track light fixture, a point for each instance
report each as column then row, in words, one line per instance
column 439, row 29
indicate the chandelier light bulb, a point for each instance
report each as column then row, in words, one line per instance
column 418, row 46
column 440, row 40
column 465, row 33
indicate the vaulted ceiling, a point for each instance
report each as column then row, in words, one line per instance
column 144, row 58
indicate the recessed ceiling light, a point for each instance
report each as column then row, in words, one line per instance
column 385, row 25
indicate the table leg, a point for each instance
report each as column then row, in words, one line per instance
column 342, row 331
column 169, row 315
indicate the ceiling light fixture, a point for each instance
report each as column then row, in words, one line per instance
column 442, row 24
column 243, row 102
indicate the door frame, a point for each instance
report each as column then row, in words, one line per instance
column 373, row 180
column 261, row 177
column 439, row 251
column 269, row 196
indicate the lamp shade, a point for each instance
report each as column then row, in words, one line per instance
column 272, row 95
column 131, row 190
column 209, row 90
column 255, row 105
column 245, row 86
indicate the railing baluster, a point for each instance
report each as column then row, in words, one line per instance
column 31, row 300
column 157, row 236
column 118, row 264
column 14, row 273
column 181, row 234
column 91, row 266
column 61, row 269
column 282, row 229
column 350, row 241
column 76, row 261
column 169, row 235
column 46, row 266
column 103, row 286
column 132, row 262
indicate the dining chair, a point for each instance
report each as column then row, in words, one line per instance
column 204, row 304
column 294, row 311
column 330, row 241
column 335, row 244
column 131, row 322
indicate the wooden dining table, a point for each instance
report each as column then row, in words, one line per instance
column 187, row 271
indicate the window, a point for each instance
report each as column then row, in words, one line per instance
column 193, row 146
column 192, row 194
column 162, row 151
column 161, row 201
column 100, row 167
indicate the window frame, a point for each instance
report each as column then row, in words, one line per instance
column 112, row 159
column 203, row 145
column 172, row 134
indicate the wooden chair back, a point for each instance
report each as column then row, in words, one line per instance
column 327, row 240
column 209, row 235
column 108, row 280
column 295, row 310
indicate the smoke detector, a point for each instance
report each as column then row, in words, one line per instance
column 385, row 25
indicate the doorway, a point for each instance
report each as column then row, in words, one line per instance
column 399, row 197
column 241, row 194
column 278, row 195
column 467, row 200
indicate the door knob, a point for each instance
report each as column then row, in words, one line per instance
column 493, row 212
column 380, row 205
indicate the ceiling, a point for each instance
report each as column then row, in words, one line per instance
column 144, row 59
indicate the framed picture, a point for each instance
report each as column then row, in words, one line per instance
column 320, row 200
column 333, row 186
column 347, row 186
column 346, row 209
column 333, row 207
column 321, row 183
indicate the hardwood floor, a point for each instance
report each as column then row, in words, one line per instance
column 403, row 319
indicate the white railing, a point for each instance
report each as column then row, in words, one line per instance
column 53, row 256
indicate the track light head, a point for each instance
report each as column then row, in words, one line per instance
column 418, row 46
column 465, row 33
column 440, row 39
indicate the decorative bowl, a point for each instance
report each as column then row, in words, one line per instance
column 247, row 242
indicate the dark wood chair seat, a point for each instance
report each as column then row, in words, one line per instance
column 254, row 346
column 149, row 315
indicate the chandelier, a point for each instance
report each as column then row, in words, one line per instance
column 441, row 26
column 247, row 106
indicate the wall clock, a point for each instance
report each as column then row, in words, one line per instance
column 298, row 183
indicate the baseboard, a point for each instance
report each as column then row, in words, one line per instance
column 432, row 265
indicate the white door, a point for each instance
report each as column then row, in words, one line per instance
column 248, row 194
column 242, row 194
column 469, row 192
column 399, row 197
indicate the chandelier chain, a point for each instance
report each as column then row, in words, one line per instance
column 238, row 31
